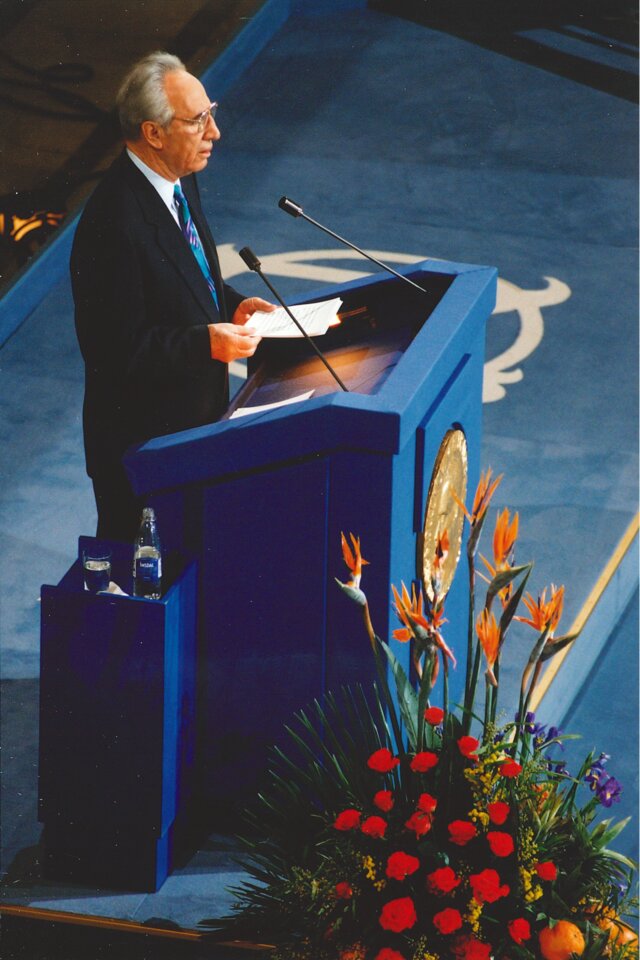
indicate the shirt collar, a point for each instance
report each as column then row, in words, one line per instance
column 164, row 187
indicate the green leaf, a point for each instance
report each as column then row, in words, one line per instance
column 538, row 647
column 502, row 579
column 423, row 699
column 621, row 858
column 612, row 832
column 354, row 593
column 474, row 535
column 558, row 644
column 514, row 601
column 407, row 697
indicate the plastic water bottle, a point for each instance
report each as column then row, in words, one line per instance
column 147, row 558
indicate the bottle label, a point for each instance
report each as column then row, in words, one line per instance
column 148, row 568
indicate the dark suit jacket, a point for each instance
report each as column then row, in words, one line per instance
column 142, row 307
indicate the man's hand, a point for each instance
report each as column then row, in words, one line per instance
column 248, row 307
column 231, row 342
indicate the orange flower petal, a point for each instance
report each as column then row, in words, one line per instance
column 489, row 636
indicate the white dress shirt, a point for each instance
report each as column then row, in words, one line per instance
column 164, row 187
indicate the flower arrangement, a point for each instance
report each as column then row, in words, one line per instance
column 398, row 828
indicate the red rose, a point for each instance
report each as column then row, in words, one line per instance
column 384, row 800
column 398, row 915
column 420, row 823
column 427, row 803
column 461, row 831
column 498, row 812
column 382, row 761
column 468, row 746
column 519, row 930
column 510, row 769
column 442, row 881
column 501, row 843
column 486, row 886
column 374, row 827
column 387, row 953
column 344, row 890
column 424, row 761
column 401, row 865
column 434, row 716
column 468, row 948
column 347, row 820
column 547, row 870
column 448, row 921
column 477, row 950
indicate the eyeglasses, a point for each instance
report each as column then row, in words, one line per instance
column 199, row 123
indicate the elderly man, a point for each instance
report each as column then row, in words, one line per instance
column 156, row 323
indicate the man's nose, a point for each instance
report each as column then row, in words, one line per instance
column 211, row 131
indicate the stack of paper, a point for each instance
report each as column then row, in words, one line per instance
column 315, row 318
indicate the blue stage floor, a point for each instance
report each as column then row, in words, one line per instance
column 414, row 144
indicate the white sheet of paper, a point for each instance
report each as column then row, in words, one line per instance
column 245, row 411
column 316, row 318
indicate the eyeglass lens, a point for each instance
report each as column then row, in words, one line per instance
column 204, row 116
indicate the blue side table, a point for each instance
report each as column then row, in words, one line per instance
column 117, row 726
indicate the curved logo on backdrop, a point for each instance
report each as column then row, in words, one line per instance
column 499, row 372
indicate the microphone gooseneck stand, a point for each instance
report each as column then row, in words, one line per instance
column 295, row 210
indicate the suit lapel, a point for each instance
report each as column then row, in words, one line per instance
column 171, row 241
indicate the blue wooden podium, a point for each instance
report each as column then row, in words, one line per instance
column 261, row 500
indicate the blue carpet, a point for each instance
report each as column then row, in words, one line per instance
column 413, row 144
column 601, row 715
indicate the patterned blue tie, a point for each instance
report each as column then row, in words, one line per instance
column 191, row 235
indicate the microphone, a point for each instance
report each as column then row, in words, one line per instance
column 254, row 264
column 250, row 259
column 290, row 207
column 295, row 210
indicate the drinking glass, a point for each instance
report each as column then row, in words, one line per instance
column 96, row 568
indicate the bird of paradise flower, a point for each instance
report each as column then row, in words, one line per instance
column 422, row 620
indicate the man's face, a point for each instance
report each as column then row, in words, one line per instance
column 184, row 149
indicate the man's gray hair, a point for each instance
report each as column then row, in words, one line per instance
column 142, row 96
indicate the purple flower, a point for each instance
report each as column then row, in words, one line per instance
column 608, row 791
column 551, row 737
column 606, row 787
column 554, row 733
column 597, row 771
column 530, row 726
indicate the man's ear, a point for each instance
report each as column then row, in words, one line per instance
column 151, row 134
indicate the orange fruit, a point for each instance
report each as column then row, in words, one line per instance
column 619, row 932
column 627, row 936
column 561, row 942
